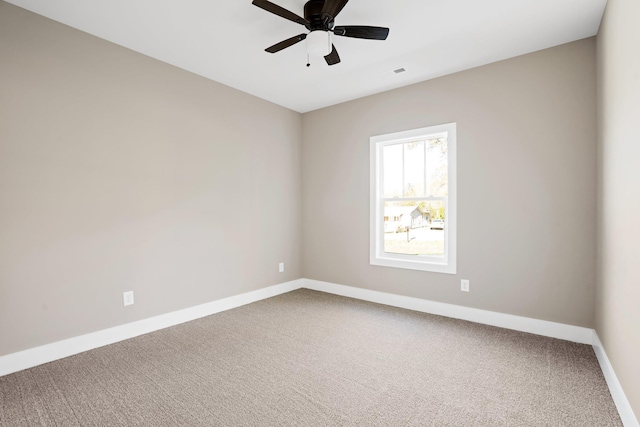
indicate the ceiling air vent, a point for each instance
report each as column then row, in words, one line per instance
column 394, row 72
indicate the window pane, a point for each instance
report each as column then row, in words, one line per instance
column 414, row 228
column 392, row 164
column 437, row 170
column 414, row 169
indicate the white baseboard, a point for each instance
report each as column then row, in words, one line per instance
column 619, row 398
column 15, row 362
column 508, row 321
column 47, row 353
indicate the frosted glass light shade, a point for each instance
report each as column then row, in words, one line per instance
column 318, row 43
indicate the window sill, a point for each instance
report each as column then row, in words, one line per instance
column 421, row 265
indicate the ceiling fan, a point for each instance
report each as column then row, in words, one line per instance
column 319, row 19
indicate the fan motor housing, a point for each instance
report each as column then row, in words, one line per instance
column 313, row 14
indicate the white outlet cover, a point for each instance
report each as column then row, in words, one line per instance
column 464, row 285
column 281, row 267
column 127, row 298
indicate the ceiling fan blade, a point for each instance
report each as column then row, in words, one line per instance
column 361, row 32
column 286, row 43
column 280, row 11
column 333, row 7
column 333, row 58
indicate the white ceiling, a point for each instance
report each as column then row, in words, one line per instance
column 224, row 40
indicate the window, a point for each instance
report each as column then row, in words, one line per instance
column 413, row 199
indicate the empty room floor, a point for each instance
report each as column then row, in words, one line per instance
column 314, row 359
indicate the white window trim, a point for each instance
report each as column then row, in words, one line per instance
column 377, row 254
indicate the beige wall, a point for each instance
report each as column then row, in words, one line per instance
column 526, row 185
column 118, row 172
column 618, row 297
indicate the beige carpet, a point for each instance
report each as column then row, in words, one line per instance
column 312, row 359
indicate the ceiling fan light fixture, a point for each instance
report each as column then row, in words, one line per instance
column 319, row 19
column 318, row 43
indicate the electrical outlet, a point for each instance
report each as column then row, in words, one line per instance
column 128, row 298
column 464, row 285
column 281, row 267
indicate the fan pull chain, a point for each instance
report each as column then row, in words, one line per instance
column 308, row 63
